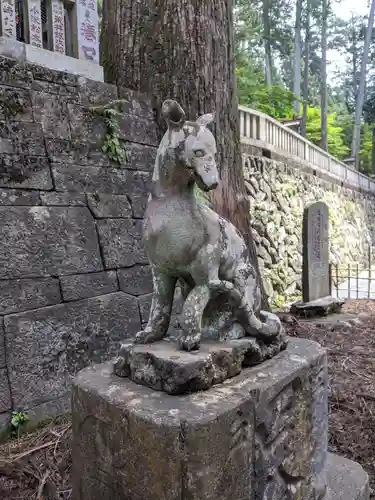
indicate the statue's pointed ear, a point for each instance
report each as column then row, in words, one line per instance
column 173, row 113
column 205, row 120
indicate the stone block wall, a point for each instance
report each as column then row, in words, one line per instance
column 74, row 277
column 279, row 190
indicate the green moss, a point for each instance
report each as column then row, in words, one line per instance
column 201, row 196
column 11, row 106
column 113, row 144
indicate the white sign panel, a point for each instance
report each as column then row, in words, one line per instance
column 35, row 23
column 8, row 18
column 58, row 26
column 88, row 30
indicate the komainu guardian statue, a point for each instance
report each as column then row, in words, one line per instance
column 190, row 244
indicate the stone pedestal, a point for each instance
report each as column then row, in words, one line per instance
column 261, row 435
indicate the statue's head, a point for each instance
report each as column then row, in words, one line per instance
column 192, row 145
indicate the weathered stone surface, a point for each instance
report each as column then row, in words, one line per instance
column 121, row 242
column 45, row 347
column 85, row 125
column 23, row 294
column 14, row 74
column 137, row 103
column 27, row 172
column 63, row 199
column 163, row 367
column 81, row 286
column 136, row 280
column 50, row 409
column 144, row 307
column 211, row 437
column 44, row 74
column 4, row 422
column 52, row 114
column 92, row 179
column 2, row 344
column 19, row 197
column 94, row 92
column 346, row 479
column 5, row 400
column 140, row 156
column 139, row 204
column 109, row 206
column 180, row 459
column 49, row 241
column 315, row 247
column 15, row 104
column 137, row 129
column 317, row 307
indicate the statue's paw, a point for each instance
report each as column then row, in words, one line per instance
column 122, row 363
column 190, row 342
column 272, row 322
column 220, row 286
column 121, row 367
column 141, row 337
column 146, row 337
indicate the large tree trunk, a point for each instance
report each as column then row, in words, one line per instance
column 306, row 70
column 184, row 50
column 297, row 59
column 361, row 88
column 324, row 95
column 267, row 41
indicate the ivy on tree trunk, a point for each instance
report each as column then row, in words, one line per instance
column 184, row 50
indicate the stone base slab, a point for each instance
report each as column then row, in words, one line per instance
column 162, row 366
column 318, row 307
column 261, row 435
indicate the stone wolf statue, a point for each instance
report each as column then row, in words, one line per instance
column 188, row 242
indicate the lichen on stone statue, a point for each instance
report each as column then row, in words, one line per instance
column 190, row 244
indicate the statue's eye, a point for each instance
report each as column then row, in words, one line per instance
column 199, row 153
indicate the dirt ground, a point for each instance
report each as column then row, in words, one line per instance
column 37, row 466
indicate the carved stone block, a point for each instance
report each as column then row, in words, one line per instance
column 261, row 435
column 164, row 367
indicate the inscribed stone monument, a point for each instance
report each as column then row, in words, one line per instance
column 315, row 281
column 315, row 266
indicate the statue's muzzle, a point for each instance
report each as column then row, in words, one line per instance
column 206, row 175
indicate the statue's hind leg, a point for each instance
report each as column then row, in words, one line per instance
column 161, row 308
column 261, row 324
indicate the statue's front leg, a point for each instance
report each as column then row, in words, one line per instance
column 161, row 308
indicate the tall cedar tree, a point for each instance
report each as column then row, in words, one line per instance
column 324, row 93
column 184, row 49
column 361, row 88
column 297, row 58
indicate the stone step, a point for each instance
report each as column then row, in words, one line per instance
column 346, row 479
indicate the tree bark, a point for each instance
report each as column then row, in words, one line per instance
column 297, row 58
column 373, row 153
column 184, row 50
column 354, row 60
column 306, row 70
column 267, row 41
column 361, row 88
column 324, row 98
